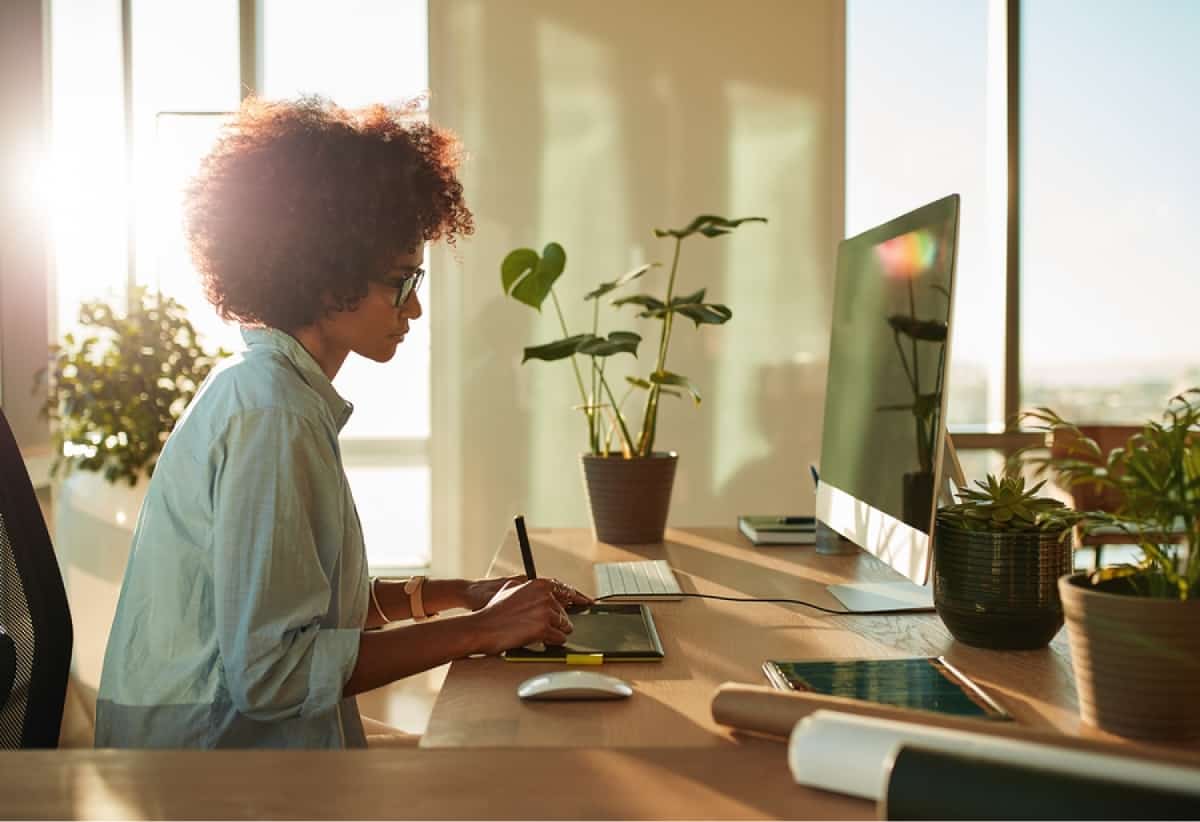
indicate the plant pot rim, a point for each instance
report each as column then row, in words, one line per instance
column 1079, row 581
column 998, row 534
column 655, row 455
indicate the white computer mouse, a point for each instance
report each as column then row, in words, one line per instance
column 574, row 685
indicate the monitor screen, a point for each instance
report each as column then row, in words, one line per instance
column 882, row 435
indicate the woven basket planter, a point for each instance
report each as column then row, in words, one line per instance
column 629, row 498
column 1136, row 660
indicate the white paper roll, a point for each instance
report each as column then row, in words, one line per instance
column 852, row 754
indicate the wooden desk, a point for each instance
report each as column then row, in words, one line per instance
column 658, row 755
column 748, row 782
column 708, row 642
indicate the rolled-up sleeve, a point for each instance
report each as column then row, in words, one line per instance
column 273, row 570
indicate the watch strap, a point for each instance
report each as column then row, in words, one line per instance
column 414, row 587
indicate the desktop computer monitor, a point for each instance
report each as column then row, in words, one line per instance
column 883, row 432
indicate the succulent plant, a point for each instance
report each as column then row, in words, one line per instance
column 1007, row 505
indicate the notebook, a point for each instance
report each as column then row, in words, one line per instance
column 927, row 684
column 604, row 632
column 778, row 530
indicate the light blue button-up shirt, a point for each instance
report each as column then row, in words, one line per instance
column 246, row 590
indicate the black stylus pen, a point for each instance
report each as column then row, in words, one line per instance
column 526, row 551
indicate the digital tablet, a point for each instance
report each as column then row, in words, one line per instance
column 927, row 684
column 604, row 632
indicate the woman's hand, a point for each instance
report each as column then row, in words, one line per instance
column 521, row 612
column 480, row 592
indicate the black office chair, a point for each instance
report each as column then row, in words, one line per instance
column 35, row 622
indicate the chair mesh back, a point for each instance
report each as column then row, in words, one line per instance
column 33, row 609
column 17, row 624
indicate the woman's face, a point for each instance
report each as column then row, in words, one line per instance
column 376, row 326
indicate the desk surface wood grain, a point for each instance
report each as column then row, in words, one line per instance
column 747, row 782
column 709, row 642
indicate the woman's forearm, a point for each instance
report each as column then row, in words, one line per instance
column 436, row 595
column 394, row 653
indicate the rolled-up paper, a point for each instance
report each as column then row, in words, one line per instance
column 770, row 711
column 853, row 755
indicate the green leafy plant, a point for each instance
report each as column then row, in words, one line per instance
column 529, row 278
column 1157, row 473
column 118, row 387
column 1007, row 506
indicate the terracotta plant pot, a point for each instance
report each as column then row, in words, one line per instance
column 1136, row 659
column 629, row 498
column 998, row 589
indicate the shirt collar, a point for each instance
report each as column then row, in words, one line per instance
column 305, row 365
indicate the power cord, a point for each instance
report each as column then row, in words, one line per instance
column 812, row 605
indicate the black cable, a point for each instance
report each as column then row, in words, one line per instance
column 814, row 606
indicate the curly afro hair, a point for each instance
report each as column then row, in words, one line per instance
column 301, row 203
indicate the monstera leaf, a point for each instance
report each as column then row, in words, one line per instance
column 709, row 225
column 618, row 342
column 930, row 330
column 677, row 380
column 692, row 306
column 528, row 278
column 629, row 277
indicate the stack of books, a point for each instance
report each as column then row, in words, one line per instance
column 778, row 530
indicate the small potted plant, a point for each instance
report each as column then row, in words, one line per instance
column 628, row 482
column 997, row 557
column 1135, row 629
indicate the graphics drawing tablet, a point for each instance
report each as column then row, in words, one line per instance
column 604, row 632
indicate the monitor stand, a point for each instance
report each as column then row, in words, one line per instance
column 901, row 595
column 883, row 596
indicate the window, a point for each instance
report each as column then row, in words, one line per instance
column 120, row 172
column 1109, row 175
column 369, row 51
column 1076, row 118
column 89, row 184
column 919, row 127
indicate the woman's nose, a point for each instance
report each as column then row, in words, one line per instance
column 412, row 307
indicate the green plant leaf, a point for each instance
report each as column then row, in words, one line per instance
column 531, row 278
column 693, row 307
column 644, row 300
column 107, row 398
column 709, row 225
column 618, row 342
column 646, row 385
column 628, row 277
column 516, row 264
column 705, row 313
column 929, row 330
column 557, row 350
column 667, row 378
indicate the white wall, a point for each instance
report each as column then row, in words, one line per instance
column 591, row 124
column 24, row 335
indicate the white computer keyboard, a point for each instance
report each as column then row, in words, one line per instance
column 634, row 581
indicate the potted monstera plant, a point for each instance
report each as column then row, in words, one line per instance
column 628, row 482
column 1135, row 629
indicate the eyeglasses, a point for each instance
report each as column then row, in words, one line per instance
column 407, row 286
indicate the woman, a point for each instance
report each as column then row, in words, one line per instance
column 243, row 614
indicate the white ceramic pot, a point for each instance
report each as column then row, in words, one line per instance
column 93, row 529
